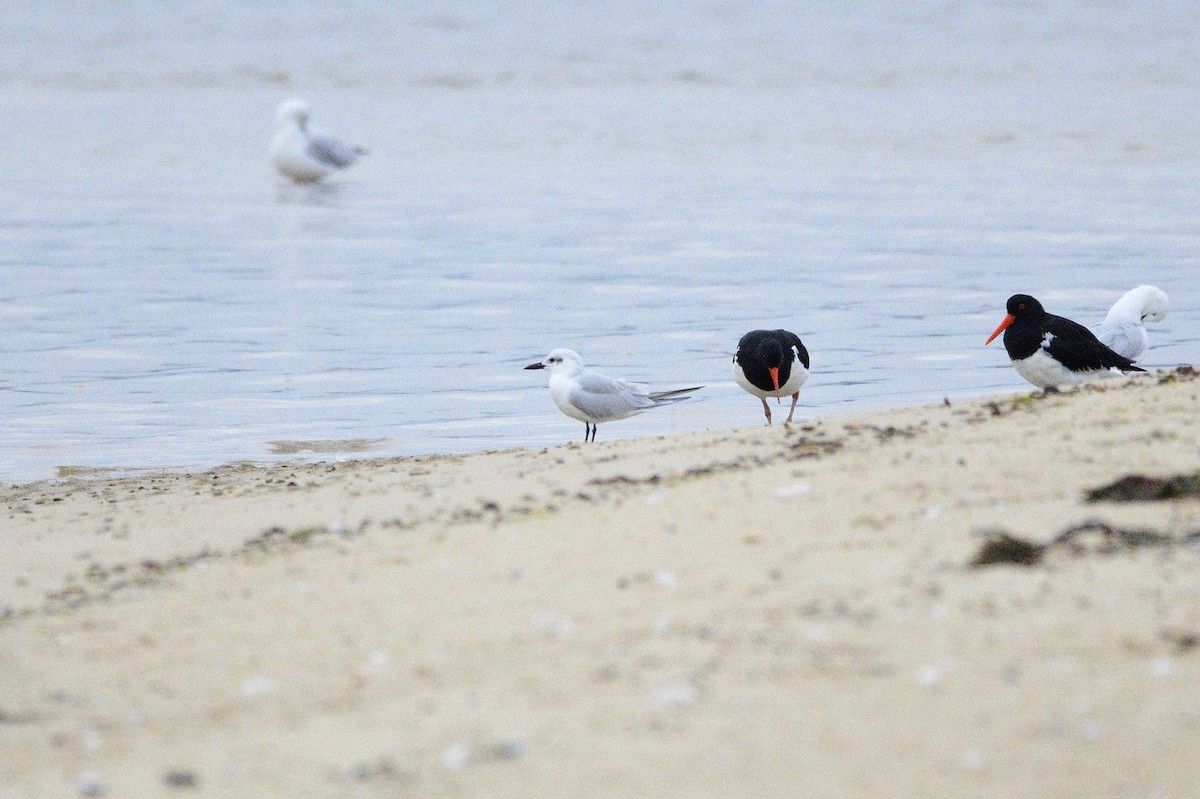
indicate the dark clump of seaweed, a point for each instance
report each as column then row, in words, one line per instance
column 1000, row 547
column 1143, row 488
column 1091, row 536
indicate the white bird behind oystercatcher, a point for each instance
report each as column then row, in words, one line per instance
column 771, row 363
column 306, row 155
column 1123, row 330
column 593, row 398
column 1050, row 351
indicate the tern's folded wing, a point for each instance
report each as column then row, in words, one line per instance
column 330, row 151
column 605, row 398
column 603, row 407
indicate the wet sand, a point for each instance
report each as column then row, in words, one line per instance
column 760, row 612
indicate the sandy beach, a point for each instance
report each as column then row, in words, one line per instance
column 760, row 612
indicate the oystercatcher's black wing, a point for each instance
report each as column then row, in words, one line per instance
column 799, row 345
column 1078, row 349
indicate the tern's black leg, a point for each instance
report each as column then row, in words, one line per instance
column 594, row 429
column 587, row 428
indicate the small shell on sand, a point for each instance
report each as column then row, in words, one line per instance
column 90, row 785
column 456, row 756
column 259, row 685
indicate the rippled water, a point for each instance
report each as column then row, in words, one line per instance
column 643, row 188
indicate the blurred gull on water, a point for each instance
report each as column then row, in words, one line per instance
column 306, row 155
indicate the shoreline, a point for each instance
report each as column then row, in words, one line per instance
column 122, row 480
column 358, row 449
column 765, row 609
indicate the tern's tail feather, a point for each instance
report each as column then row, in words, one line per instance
column 667, row 397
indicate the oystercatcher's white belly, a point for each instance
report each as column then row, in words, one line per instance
column 1045, row 372
column 795, row 380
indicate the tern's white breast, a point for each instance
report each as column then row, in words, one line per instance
column 290, row 156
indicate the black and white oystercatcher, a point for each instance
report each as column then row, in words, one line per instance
column 1050, row 351
column 592, row 398
column 771, row 363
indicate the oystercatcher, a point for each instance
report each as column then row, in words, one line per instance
column 771, row 363
column 593, row 398
column 1123, row 329
column 306, row 155
column 1050, row 351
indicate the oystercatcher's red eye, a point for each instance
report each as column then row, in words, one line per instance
column 1021, row 307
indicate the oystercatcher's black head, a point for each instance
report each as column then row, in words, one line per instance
column 1020, row 307
column 770, row 353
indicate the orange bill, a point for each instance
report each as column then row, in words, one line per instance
column 1008, row 320
column 774, row 370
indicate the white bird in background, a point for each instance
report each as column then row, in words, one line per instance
column 1122, row 330
column 306, row 155
column 593, row 398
